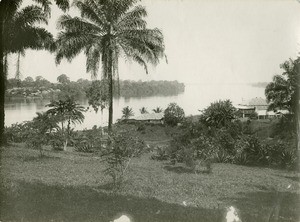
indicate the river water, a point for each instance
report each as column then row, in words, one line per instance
column 194, row 98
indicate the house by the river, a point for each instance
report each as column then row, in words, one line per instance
column 147, row 118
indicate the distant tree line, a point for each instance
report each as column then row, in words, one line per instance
column 151, row 88
column 64, row 86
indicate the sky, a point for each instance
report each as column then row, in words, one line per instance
column 207, row 42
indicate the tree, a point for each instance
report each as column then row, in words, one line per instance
column 63, row 79
column 283, row 92
column 143, row 110
column 105, row 31
column 97, row 95
column 127, row 112
column 66, row 111
column 28, row 82
column 174, row 114
column 18, row 33
column 157, row 110
column 218, row 114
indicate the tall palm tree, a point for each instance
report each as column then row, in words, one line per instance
column 127, row 112
column 66, row 111
column 18, row 32
column 106, row 30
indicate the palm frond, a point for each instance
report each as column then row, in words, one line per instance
column 29, row 16
column 46, row 6
column 133, row 19
column 92, row 11
column 76, row 24
column 63, row 4
column 70, row 44
column 93, row 60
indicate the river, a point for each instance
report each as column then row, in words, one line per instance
column 194, row 98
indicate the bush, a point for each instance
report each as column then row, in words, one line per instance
column 160, row 154
column 17, row 132
column 89, row 141
column 118, row 154
column 174, row 114
column 218, row 114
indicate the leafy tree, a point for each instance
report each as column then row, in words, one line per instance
column 18, row 33
column 218, row 114
column 97, row 95
column 143, row 110
column 40, row 128
column 63, row 79
column 28, row 81
column 66, row 111
column 174, row 114
column 106, row 30
column 157, row 110
column 283, row 92
column 127, row 112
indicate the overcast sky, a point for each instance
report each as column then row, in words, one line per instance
column 207, row 41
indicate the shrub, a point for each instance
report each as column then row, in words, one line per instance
column 222, row 156
column 160, row 154
column 174, row 114
column 88, row 141
column 218, row 114
column 17, row 132
column 118, row 154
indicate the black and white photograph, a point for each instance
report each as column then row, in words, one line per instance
column 149, row 110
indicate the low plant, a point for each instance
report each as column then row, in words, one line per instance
column 117, row 155
column 160, row 153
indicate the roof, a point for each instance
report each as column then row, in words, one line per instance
column 149, row 116
column 258, row 101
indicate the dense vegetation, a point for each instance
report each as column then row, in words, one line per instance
column 41, row 87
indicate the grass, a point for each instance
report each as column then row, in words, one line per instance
column 68, row 186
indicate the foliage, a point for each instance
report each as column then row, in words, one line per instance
column 130, row 88
column 104, row 36
column 89, row 141
column 127, row 112
column 143, row 110
column 97, row 95
column 118, row 154
column 19, row 31
column 17, row 132
column 40, row 128
column 218, row 114
column 160, row 153
column 157, row 110
column 174, row 114
column 63, row 79
column 283, row 91
column 66, row 111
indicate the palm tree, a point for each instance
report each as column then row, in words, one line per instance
column 127, row 112
column 157, row 110
column 66, row 111
column 143, row 110
column 18, row 33
column 106, row 30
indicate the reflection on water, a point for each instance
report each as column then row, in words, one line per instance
column 195, row 98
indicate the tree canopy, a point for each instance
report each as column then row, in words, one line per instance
column 105, row 31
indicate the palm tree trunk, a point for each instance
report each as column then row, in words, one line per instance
column 2, row 84
column 297, row 111
column 110, row 108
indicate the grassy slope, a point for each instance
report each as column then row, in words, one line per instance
column 72, row 187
